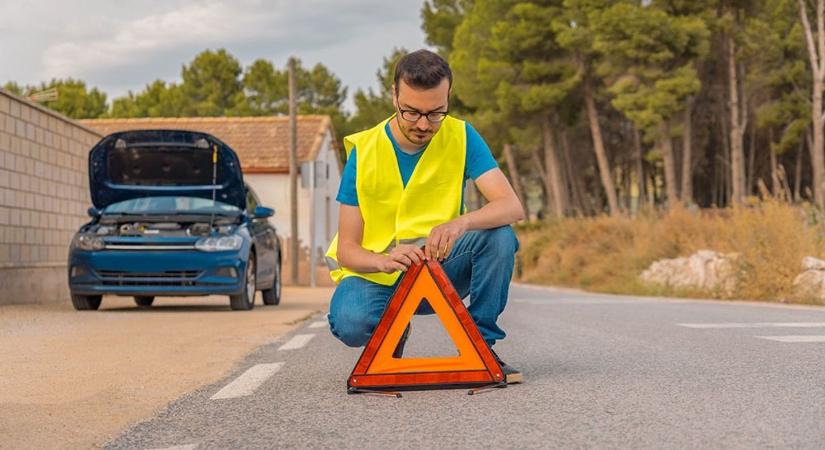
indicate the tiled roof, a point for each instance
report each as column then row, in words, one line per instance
column 262, row 143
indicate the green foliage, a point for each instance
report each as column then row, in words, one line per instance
column 439, row 19
column 775, row 48
column 211, row 84
column 158, row 99
column 74, row 99
column 373, row 107
column 14, row 88
column 647, row 57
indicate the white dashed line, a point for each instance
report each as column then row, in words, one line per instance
column 248, row 381
column 754, row 325
column 297, row 341
column 319, row 324
column 794, row 338
column 178, row 447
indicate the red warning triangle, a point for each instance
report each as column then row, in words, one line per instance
column 475, row 365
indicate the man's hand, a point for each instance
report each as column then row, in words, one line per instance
column 442, row 238
column 401, row 258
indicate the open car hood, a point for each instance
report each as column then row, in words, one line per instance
column 143, row 163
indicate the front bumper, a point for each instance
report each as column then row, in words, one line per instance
column 156, row 273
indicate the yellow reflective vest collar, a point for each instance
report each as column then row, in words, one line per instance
column 392, row 212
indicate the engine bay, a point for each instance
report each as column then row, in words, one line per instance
column 150, row 228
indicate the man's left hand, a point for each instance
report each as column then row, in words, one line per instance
column 442, row 238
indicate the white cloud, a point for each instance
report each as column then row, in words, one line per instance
column 119, row 46
column 133, row 42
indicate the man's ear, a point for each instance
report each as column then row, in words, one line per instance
column 394, row 96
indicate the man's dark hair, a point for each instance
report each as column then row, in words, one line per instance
column 422, row 69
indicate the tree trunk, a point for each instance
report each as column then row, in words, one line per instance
column 687, row 157
column 797, row 181
column 574, row 177
column 775, row 185
column 640, row 171
column 737, row 156
column 724, row 162
column 553, row 170
column 817, row 161
column 546, row 186
column 515, row 177
column 598, row 147
column 666, row 146
column 816, row 53
column 751, row 162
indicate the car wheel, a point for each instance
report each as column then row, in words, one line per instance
column 246, row 300
column 86, row 302
column 272, row 296
column 144, row 301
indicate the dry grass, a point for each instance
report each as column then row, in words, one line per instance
column 607, row 254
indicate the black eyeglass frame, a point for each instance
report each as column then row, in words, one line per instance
column 402, row 112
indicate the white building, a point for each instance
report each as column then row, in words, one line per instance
column 262, row 144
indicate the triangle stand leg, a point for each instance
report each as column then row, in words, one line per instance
column 489, row 387
column 355, row 390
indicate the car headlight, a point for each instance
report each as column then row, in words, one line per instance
column 219, row 243
column 88, row 242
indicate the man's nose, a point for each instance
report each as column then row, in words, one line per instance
column 422, row 123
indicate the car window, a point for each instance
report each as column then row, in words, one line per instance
column 169, row 204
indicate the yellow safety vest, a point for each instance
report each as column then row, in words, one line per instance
column 396, row 214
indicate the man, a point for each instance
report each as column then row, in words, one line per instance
column 403, row 186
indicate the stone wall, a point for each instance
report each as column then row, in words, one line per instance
column 44, row 195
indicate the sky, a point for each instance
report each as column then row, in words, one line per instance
column 119, row 46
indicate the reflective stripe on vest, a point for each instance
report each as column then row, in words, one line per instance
column 394, row 213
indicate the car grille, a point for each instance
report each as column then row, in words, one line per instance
column 149, row 246
column 166, row 278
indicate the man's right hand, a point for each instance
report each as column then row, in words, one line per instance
column 401, row 258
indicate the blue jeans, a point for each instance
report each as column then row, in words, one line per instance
column 480, row 264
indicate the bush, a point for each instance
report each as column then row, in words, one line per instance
column 607, row 254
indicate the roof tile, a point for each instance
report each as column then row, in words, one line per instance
column 262, row 143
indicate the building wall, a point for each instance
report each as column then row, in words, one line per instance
column 273, row 191
column 44, row 195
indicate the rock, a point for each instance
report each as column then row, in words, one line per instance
column 706, row 270
column 811, row 282
column 811, row 263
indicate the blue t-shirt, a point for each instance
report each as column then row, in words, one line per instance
column 479, row 160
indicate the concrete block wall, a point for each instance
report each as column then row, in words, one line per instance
column 44, row 195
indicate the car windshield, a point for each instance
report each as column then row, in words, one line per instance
column 170, row 205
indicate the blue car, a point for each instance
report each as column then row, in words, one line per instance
column 172, row 217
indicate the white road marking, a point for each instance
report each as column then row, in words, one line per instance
column 319, row 324
column 178, row 447
column 248, row 381
column 587, row 301
column 754, row 325
column 794, row 338
column 297, row 341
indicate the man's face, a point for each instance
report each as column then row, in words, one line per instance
column 422, row 101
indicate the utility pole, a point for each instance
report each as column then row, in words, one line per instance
column 293, row 175
column 313, row 254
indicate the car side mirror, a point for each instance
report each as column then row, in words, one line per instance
column 93, row 212
column 262, row 212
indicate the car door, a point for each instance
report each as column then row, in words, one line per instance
column 264, row 236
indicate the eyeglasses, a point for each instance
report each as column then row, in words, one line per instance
column 412, row 115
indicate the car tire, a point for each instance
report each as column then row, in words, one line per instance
column 246, row 300
column 272, row 296
column 86, row 302
column 144, row 301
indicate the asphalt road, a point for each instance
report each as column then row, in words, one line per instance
column 600, row 371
